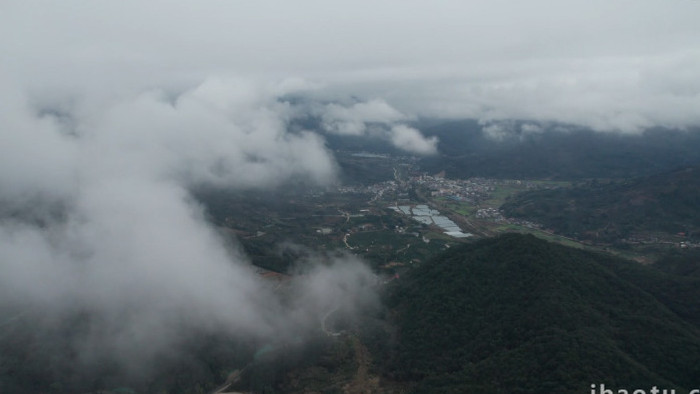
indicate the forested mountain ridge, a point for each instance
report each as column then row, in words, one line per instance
column 668, row 202
column 516, row 314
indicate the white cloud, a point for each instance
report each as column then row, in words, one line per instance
column 100, row 219
column 230, row 133
column 386, row 122
column 37, row 158
column 528, row 128
column 353, row 119
column 411, row 140
column 497, row 131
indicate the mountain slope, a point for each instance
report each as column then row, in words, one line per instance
column 518, row 314
column 556, row 151
column 668, row 202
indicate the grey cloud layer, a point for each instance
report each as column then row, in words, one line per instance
column 622, row 65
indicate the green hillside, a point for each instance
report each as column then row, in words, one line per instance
column 516, row 314
column 666, row 203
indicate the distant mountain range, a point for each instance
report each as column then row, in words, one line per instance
column 527, row 150
column 668, row 202
column 532, row 151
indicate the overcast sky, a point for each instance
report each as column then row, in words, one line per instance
column 608, row 64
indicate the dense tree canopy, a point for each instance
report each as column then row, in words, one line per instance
column 518, row 314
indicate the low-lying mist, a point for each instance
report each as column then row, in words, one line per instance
column 98, row 225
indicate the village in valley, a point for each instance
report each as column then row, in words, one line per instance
column 392, row 223
column 397, row 221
